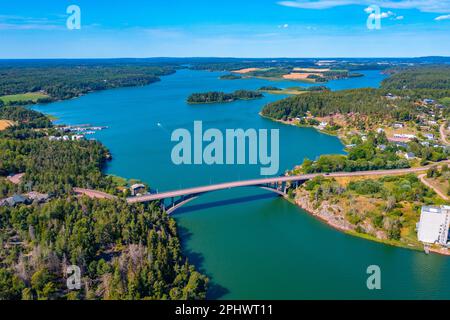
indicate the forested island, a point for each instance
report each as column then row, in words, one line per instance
column 230, row 77
column 221, row 97
column 124, row 251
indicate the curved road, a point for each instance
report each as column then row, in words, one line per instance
column 443, row 134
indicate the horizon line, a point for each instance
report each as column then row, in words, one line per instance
column 228, row 57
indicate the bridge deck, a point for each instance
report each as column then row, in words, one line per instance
column 257, row 182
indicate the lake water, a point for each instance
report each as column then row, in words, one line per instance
column 251, row 244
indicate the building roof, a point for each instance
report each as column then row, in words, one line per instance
column 137, row 186
column 434, row 225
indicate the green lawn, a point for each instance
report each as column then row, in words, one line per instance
column 445, row 101
column 31, row 96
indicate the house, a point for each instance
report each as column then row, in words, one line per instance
column 37, row 197
column 382, row 147
column 398, row 125
column 380, row 130
column 14, row 201
column 429, row 136
column 425, row 143
column 323, row 125
column 410, row 156
column 15, row 178
column 400, row 144
column 433, row 227
column 65, row 138
column 428, row 101
column 390, row 96
column 137, row 188
column 77, row 137
column 404, row 136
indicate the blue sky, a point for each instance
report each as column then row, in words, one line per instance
column 224, row 28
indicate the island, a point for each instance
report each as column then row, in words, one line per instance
column 221, row 97
column 230, row 77
column 308, row 72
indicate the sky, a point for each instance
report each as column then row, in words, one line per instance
column 224, row 28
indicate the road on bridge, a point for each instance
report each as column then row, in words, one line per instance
column 264, row 181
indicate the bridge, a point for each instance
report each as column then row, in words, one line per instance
column 278, row 185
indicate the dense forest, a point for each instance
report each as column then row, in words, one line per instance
column 324, row 103
column 124, row 251
column 221, row 97
column 422, row 77
column 65, row 81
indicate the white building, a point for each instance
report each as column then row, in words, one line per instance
column 433, row 227
column 404, row 136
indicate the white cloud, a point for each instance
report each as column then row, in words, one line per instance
column 382, row 15
column 12, row 22
column 368, row 10
column 438, row 6
column 446, row 17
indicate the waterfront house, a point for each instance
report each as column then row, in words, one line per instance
column 137, row 188
column 433, row 227
column 77, row 137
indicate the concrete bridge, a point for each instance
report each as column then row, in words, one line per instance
column 278, row 185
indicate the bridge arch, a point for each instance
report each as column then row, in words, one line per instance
column 280, row 190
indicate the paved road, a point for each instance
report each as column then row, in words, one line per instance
column 94, row 194
column 257, row 182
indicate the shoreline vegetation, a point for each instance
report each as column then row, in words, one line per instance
column 55, row 81
column 44, row 231
column 111, row 241
column 326, row 212
column 221, row 97
column 366, row 122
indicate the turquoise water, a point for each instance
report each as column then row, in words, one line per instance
column 250, row 243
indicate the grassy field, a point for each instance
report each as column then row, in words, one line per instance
column 31, row 96
column 4, row 124
column 290, row 91
column 445, row 101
